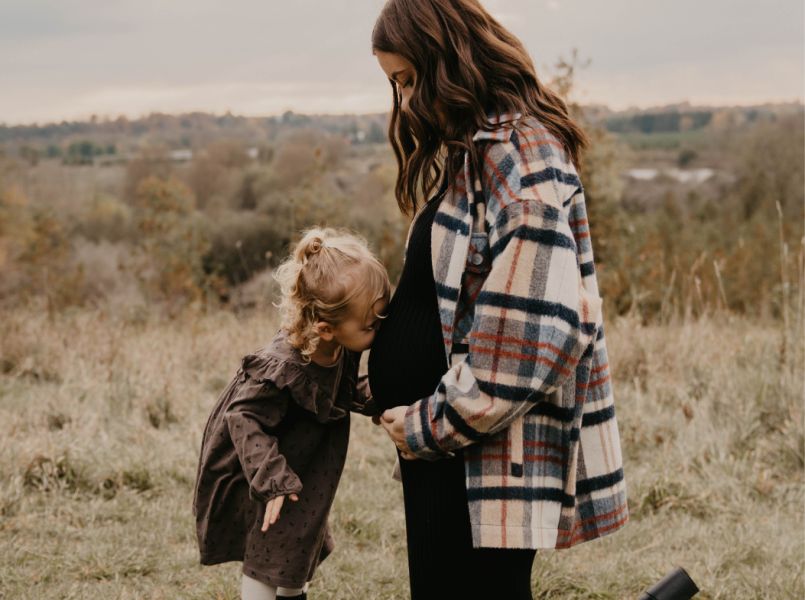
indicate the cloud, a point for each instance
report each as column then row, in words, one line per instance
column 710, row 81
column 73, row 59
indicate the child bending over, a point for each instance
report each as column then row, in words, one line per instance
column 276, row 439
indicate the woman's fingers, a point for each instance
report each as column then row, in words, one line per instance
column 394, row 414
column 393, row 421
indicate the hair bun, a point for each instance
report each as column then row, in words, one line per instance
column 310, row 246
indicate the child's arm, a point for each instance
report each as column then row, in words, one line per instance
column 364, row 403
column 256, row 409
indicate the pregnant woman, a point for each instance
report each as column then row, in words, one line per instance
column 491, row 365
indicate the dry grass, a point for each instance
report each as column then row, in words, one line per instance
column 101, row 419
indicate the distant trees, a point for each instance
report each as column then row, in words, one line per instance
column 686, row 157
column 376, row 135
column 728, row 245
column 30, row 155
column 660, row 122
column 85, row 151
column 736, row 243
column 176, row 230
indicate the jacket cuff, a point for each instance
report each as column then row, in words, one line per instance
column 418, row 433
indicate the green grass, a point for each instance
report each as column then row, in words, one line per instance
column 101, row 421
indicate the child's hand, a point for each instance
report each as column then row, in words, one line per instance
column 393, row 421
column 364, row 403
column 273, row 510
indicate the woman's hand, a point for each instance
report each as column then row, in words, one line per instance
column 273, row 510
column 393, row 421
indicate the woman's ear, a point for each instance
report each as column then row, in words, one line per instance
column 324, row 330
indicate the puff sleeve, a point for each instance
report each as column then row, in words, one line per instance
column 258, row 407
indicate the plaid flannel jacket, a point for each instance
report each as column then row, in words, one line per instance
column 531, row 401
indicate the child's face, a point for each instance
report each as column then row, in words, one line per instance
column 358, row 330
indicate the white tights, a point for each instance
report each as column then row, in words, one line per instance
column 251, row 589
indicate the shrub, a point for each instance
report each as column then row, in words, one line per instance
column 173, row 239
column 106, row 218
column 244, row 243
column 214, row 173
column 152, row 161
column 35, row 253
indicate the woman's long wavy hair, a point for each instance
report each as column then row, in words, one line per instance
column 470, row 67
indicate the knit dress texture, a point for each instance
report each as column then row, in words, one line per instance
column 407, row 359
column 281, row 426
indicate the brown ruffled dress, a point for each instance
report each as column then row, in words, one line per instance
column 280, row 427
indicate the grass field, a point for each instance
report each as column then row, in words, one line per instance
column 101, row 418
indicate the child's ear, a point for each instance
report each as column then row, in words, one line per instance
column 324, row 330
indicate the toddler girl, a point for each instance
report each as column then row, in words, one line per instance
column 276, row 439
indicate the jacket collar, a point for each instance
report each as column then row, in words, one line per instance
column 502, row 127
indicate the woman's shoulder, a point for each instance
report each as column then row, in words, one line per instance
column 528, row 163
column 525, row 142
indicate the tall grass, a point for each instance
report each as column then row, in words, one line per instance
column 101, row 419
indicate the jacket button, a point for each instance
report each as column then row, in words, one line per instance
column 477, row 258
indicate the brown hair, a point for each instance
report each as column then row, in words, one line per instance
column 326, row 271
column 470, row 66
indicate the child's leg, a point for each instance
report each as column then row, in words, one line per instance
column 251, row 589
column 299, row 594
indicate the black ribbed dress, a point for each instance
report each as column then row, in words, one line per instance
column 407, row 359
column 406, row 363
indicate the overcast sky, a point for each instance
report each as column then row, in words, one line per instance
column 65, row 59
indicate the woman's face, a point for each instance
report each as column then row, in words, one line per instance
column 399, row 70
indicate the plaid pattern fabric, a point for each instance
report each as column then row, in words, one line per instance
column 531, row 402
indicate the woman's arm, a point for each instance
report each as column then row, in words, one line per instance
column 533, row 318
column 257, row 408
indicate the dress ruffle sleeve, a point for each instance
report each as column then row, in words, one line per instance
column 266, row 382
column 303, row 388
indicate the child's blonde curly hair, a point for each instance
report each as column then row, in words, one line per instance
column 326, row 271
